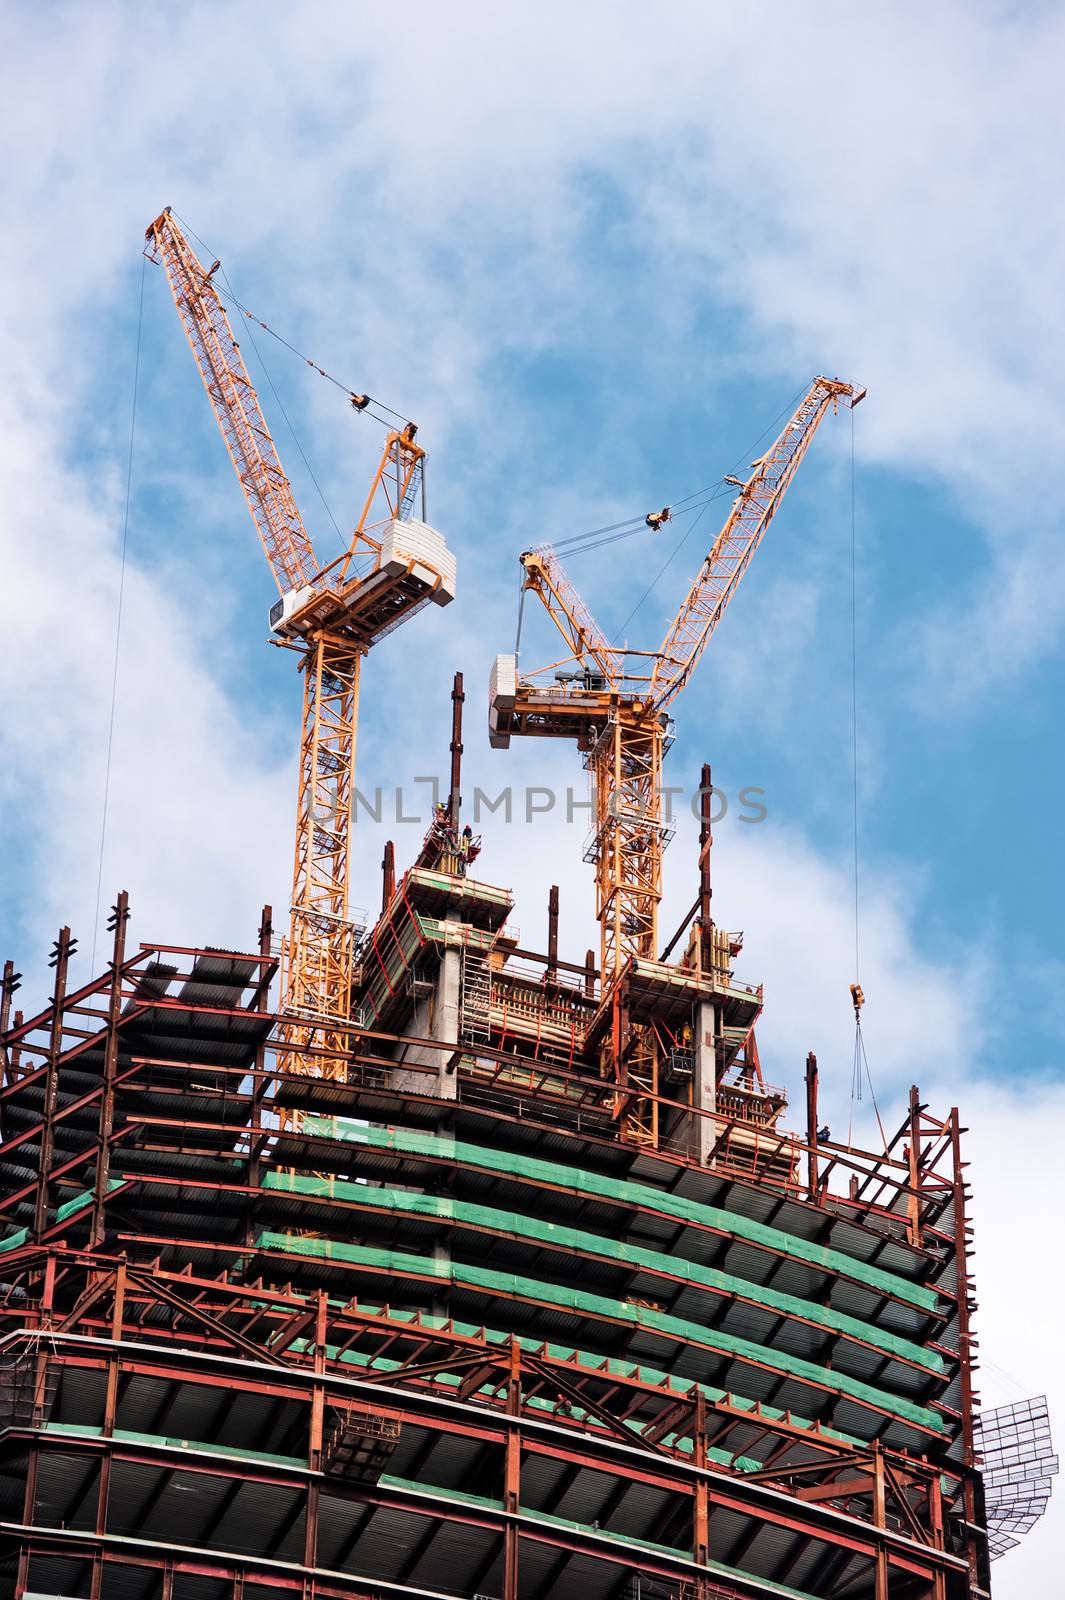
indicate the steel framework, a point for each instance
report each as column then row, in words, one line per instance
column 420, row 1323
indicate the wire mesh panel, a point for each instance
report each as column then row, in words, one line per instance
column 1019, row 1462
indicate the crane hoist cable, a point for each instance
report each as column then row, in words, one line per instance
column 860, row 1064
column 361, row 402
column 700, row 513
column 579, row 543
column 118, row 611
column 288, row 420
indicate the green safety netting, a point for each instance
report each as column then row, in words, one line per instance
column 447, row 1148
column 67, row 1209
column 398, row 1264
column 516, row 1225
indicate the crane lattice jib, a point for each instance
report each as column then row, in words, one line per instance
column 236, row 406
column 545, row 573
column 753, row 510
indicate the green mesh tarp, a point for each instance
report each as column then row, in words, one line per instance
column 445, row 1148
column 581, row 1302
column 67, row 1209
column 558, row 1236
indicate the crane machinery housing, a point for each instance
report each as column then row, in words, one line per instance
column 331, row 614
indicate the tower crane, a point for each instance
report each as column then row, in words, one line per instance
column 615, row 704
column 331, row 615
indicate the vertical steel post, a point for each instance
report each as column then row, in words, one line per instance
column 15, row 1053
column 706, row 840
column 589, row 974
column 551, row 971
column 880, row 1520
column 10, row 983
column 61, row 953
column 966, row 1343
column 913, row 1199
column 455, row 797
column 702, row 1489
column 388, row 875
column 812, row 1177
column 117, row 925
column 260, row 1000
column 512, row 1476
column 118, row 1320
column 315, row 1448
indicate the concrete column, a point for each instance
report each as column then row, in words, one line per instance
column 704, row 1077
column 448, row 991
column 435, row 1017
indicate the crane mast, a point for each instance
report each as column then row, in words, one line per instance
column 394, row 564
column 618, row 715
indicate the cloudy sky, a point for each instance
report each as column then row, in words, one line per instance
column 595, row 251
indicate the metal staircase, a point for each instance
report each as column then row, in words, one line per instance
column 475, row 1017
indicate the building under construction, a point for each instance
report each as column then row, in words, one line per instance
column 406, row 1260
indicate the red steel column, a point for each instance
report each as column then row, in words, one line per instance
column 512, row 1477
column 812, row 1174
column 880, row 1520
column 10, row 983
column 388, row 875
column 706, row 840
column 314, row 1456
column 551, row 971
column 260, row 1001
column 454, row 805
column 913, row 1206
column 103, row 1491
column 61, row 953
column 702, row 1489
column 117, row 924
column 966, row 1344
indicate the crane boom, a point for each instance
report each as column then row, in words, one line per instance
column 752, row 512
column 236, row 407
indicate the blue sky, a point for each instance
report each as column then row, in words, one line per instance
column 594, row 253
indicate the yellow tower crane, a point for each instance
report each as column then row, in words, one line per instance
column 614, row 702
column 394, row 564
